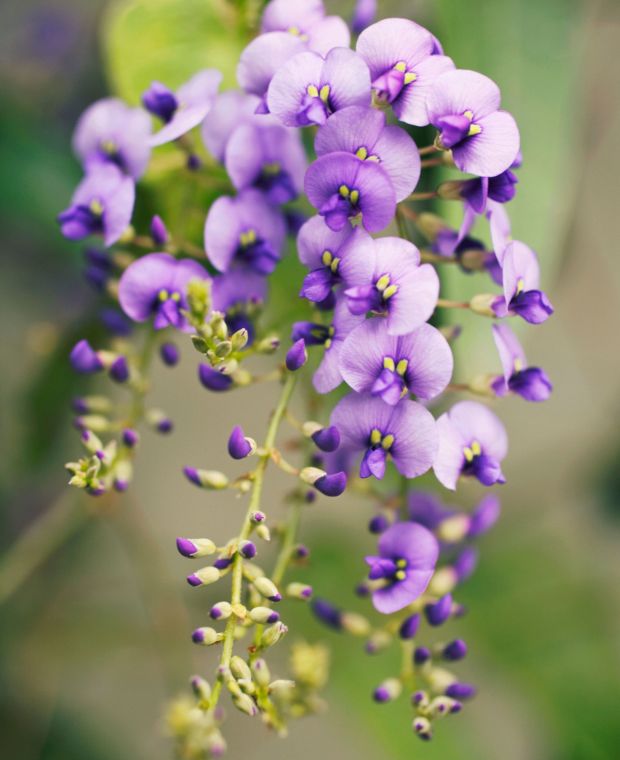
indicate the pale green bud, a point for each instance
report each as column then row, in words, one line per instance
column 245, row 704
column 453, row 529
column 481, row 304
column 90, row 441
column 263, row 615
column 273, row 634
column 200, row 344
column 247, row 686
column 299, row 591
column 205, row 576
column 282, row 688
column 239, row 339
column 206, row 636
column 268, row 345
column 262, row 531
column 201, row 688
column 223, row 349
column 239, row 668
column 267, row 588
column 422, row 727
column 93, row 423
column 310, row 475
column 355, row 624
column 261, row 673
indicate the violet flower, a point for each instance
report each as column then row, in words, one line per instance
column 261, row 59
column 464, row 107
column 155, row 287
column 101, row 205
column 184, row 109
column 362, row 131
column 306, row 21
column 230, row 110
column 268, row 157
column 237, row 288
column 364, row 14
column 472, row 443
column 402, row 289
column 109, row 131
column 343, row 188
column 402, row 63
column 307, row 88
column 426, row 509
column 406, row 433
column 373, row 361
column 246, row 231
column 405, row 563
column 531, row 383
column 521, row 278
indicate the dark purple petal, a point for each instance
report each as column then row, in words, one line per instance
column 296, row 356
column 212, row 379
column 84, row 358
column 331, row 485
column 532, row 384
column 327, row 439
column 238, row 446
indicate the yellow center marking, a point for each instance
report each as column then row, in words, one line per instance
column 324, row 93
column 520, row 285
column 344, row 191
column 375, row 437
column 354, row 197
column 163, row 295
column 313, row 91
column 388, row 363
column 401, row 367
column 96, row 207
column 400, row 575
column 400, row 66
column 390, row 291
column 382, row 282
column 387, row 442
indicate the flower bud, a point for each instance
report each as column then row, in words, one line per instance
column 301, row 552
column 261, row 673
column 239, row 668
column 268, row 345
column 378, row 524
column 209, row 479
column 200, row 344
column 282, row 688
column 169, row 354
column 223, row 349
column 460, row 691
column 439, row 612
column 264, row 615
column 421, row 655
column 247, row 549
column 159, row 233
column 204, row 576
column 455, row 650
column 296, row 356
column 222, row 563
column 328, row 485
column 378, row 641
column 201, row 688
column 239, row 339
column 465, row 563
column 240, row 447
column 245, row 704
column 484, row 516
column 453, row 529
column 91, row 442
column 262, row 531
column 387, row 691
column 195, row 547
column 450, row 191
column 220, row 611
column 123, row 472
column 130, row 438
column 442, row 706
column 206, row 636
column 213, row 380
column 94, row 422
column 258, row 517
column 422, row 727
column 483, row 304
column 119, row 370
column 409, row 627
column 267, row 588
column 273, row 634
column 215, row 744
column 299, row 591
column 443, row 581
column 159, row 421
column 327, row 613
column 247, row 686
column 420, row 699
column 327, row 439
column 84, row 359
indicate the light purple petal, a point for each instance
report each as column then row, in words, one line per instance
column 520, row 263
column 392, row 40
column 118, row 210
column 348, row 77
column 509, row 349
column 363, row 352
column 315, row 237
column 476, row 422
column 141, row 282
column 328, row 33
column 287, row 14
column 412, row 542
column 492, row 150
column 230, row 110
column 456, row 92
column 499, row 226
column 449, row 458
column 355, row 416
column 430, row 362
column 328, row 375
column 399, row 595
column 263, row 57
column 357, row 257
column 416, row 438
column 289, row 86
column 410, row 106
column 238, row 286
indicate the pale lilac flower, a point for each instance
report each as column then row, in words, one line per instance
column 406, row 563
column 332, row 257
column 261, row 59
column 406, row 433
column 426, row 509
column 230, row 110
column 238, row 287
column 155, row 287
column 101, row 205
column 246, row 231
column 306, row 20
column 531, row 383
column 464, row 107
column 342, row 188
column 363, row 132
column 184, row 109
column 328, row 375
column 307, row 89
column 521, row 278
column 373, row 361
column 266, row 156
column 403, row 65
column 472, row 442
column 402, row 289
column 109, row 131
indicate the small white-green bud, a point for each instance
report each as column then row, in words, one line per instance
column 239, row 668
column 261, row 673
column 267, row 588
column 273, row 634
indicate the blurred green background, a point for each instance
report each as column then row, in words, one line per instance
column 96, row 639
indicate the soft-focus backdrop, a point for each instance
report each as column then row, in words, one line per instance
column 96, row 639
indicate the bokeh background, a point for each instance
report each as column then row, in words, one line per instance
column 94, row 610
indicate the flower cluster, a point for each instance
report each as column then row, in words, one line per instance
column 371, row 294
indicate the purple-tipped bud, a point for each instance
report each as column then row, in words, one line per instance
column 264, row 615
column 418, row 698
column 119, row 370
column 247, row 549
column 421, row 655
column 169, row 354
column 381, row 694
column 222, row 563
column 193, row 162
column 465, row 563
column 362, row 589
column 240, row 447
column 206, row 636
column 422, row 727
column 84, row 359
column 204, row 576
column 220, row 611
column 439, row 612
column 130, row 438
column 301, row 552
column 80, row 406
column 455, row 650
column 296, row 356
column 186, row 547
column 331, row 485
column 378, row 524
column 484, row 516
column 165, row 425
column 160, row 101
column 299, row 591
column 159, row 233
column 267, row 588
column 327, row 613
column 212, row 379
column 327, row 439
column 195, row 547
column 258, row 517
column 409, row 627
column 310, row 497
column 120, row 485
column 460, row 691
column 210, row 479
column 194, row 580
column 387, row 691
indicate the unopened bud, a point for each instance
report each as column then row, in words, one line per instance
column 387, row 691
column 261, row 673
column 355, row 624
column 264, row 615
column 195, row 547
column 204, row 577
column 200, row 687
column 268, row 345
column 299, row 591
column 273, row 634
column 245, row 704
column 239, row 339
column 262, row 531
column 239, row 668
column 200, row 344
column 378, row 641
column 282, row 688
column 422, row 727
column 209, row 479
column 220, row 611
column 267, row 588
column 453, row 529
column 206, row 636
column 442, row 706
column 483, row 304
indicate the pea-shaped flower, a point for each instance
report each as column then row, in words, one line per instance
column 531, row 383
column 306, row 21
column 521, row 281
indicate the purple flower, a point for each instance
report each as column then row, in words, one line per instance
column 402, row 63
column 236, row 288
column 405, row 432
column 438, row 612
column 328, row 375
column 84, row 359
column 306, row 21
column 341, row 187
column 213, row 380
column 521, row 275
column 101, row 205
column 373, row 361
column 159, row 233
column 266, row 156
column 464, row 107
column 184, row 109
column 426, row 509
column 399, row 287
column 230, row 110
column 332, row 256
column 363, row 15
column 363, row 132
column 261, row 59
column 472, row 442
column 406, row 562
column 307, row 89
column 484, row 516
column 240, row 447
column 109, row 131
column 245, row 230
column 296, row 356
column 531, row 383
column 155, row 286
